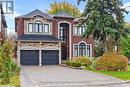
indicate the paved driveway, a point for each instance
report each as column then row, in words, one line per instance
column 58, row 76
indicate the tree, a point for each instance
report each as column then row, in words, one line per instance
column 55, row 7
column 8, row 67
column 125, row 46
column 105, row 21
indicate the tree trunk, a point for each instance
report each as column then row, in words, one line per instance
column 105, row 45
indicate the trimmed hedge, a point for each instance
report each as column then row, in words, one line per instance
column 85, row 61
column 73, row 63
column 80, row 61
column 112, row 62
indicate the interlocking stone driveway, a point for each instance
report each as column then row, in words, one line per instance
column 58, row 76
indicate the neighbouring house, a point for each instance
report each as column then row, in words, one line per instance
column 44, row 39
column 3, row 26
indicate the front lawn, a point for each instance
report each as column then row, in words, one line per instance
column 15, row 81
column 121, row 75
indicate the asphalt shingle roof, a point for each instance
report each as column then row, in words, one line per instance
column 38, row 38
column 35, row 12
column 63, row 14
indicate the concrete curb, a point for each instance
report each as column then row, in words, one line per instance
column 64, row 65
column 128, row 81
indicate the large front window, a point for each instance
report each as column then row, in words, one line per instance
column 64, row 32
column 82, row 49
column 38, row 27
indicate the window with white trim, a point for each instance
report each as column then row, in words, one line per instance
column 82, row 49
column 30, row 27
column 75, row 50
column 38, row 27
column 79, row 30
column 88, row 50
column 46, row 28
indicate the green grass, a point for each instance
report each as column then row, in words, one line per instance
column 124, row 75
column 15, row 81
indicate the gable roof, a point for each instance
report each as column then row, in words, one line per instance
column 35, row 12
column 63, row 14
column 35, row 37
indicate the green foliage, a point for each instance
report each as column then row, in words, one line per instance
column 80, row 61
column 73, row 63
column 56, row 7
column 7, row 66
column 101, row 24
column 112, row 62
column 85, row 61
column 125, row 46
column 124, row 75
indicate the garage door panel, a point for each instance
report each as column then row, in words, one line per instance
column 50, row 57
column 29, row 57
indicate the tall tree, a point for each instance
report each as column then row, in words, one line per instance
column 104, row 20
column 55, row 7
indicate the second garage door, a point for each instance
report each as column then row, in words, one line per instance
column 50, row 57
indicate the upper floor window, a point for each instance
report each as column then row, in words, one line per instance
column 38, row 27
column 30, row 27
column 79, row 30
column 46, row 28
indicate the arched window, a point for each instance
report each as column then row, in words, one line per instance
column 38, row 27
column 82, row 49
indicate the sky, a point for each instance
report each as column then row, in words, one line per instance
column 25, row 6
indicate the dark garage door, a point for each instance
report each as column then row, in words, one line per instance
column 29, row 57
column 50, row 57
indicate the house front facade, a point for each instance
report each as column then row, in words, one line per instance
column 44, row 39
column 3, row 25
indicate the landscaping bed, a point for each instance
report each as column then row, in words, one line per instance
column 124, row 75
column 111, row 64
column 14, row 82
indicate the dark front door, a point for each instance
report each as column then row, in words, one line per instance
column 64, row 52
column 29, row 57
column 50, row 57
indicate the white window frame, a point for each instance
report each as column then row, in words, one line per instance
column 80, row 32
column 28, row 28
column 86, row 49
column 48, row 28
column 40, row 25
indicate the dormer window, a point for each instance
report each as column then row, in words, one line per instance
column 38, row 27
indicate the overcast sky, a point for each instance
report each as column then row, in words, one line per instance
column 25, row 6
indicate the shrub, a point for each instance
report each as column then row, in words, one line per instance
column 73, row 63
column 80, row 61
column 112, row 62
column 85, row 61
column 8, row 67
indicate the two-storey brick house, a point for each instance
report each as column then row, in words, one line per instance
column 44, row 39
column 3, row 25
